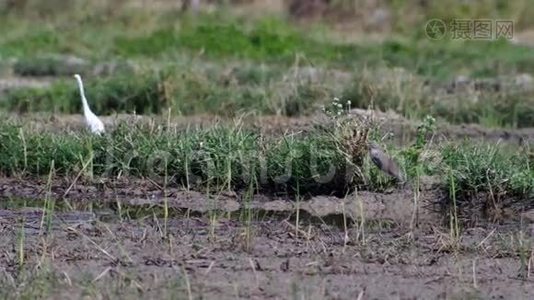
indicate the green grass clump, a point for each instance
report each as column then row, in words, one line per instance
column 267, row 40
column 220, row 157
column 483, row 168
column 488, row 177
column 39, row 39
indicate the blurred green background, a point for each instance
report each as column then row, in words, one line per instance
column 267, row 57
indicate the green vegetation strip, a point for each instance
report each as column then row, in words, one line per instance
column 269, row 40
column 267, row 53
column 268, row 90
column 218, row 158
column 185, row 92
column 324, row 161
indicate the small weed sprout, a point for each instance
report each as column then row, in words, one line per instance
column 413, row 154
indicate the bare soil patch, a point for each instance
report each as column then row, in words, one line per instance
column 209, row 248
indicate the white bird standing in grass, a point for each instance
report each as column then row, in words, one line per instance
column 93, row 122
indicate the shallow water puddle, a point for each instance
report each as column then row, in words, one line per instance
column 79, row 211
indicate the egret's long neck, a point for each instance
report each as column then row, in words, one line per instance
column 82, row 94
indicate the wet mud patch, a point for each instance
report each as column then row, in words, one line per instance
column 139, row 199
column 222, row 258
column 104, row 239
column 134, row 238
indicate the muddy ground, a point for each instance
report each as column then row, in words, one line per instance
column 110, row 238
column 115, row 238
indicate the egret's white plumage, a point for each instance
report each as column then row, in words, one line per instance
column 92, row 121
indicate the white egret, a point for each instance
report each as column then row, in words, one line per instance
column 92, row 121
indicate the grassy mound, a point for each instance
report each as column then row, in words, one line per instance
column 487, row 181
column 220, row 157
